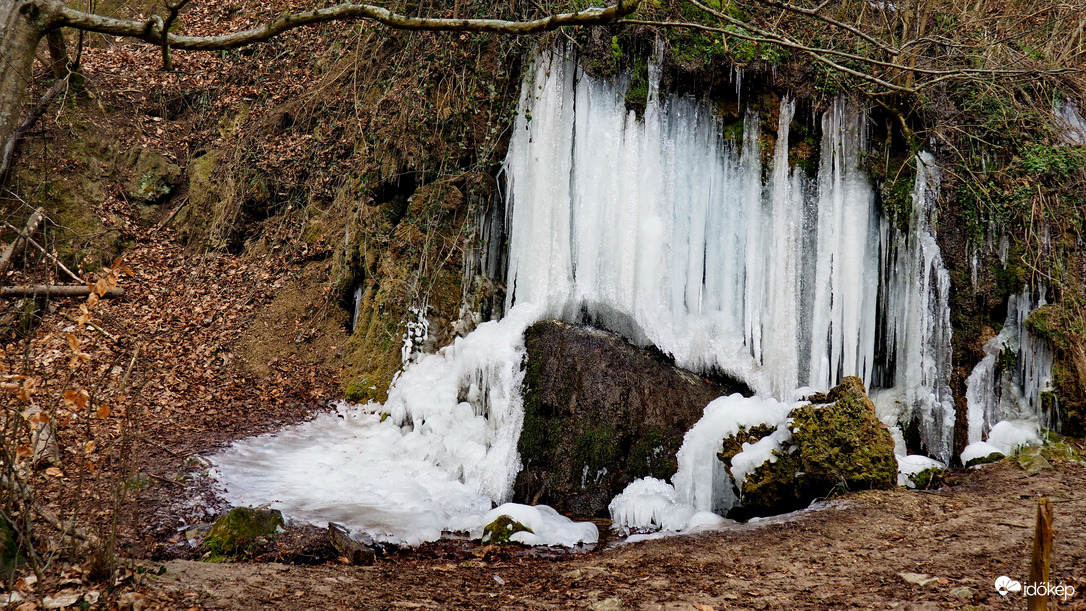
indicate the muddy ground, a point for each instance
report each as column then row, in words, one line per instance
column 848, row 556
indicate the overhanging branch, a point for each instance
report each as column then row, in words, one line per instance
column 59, row 15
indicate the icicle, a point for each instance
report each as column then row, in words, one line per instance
column 996, row 393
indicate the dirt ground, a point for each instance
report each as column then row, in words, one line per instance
column 851, row 555
column 201, row 393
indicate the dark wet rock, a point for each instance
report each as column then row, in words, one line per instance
column 600, row 413
column 347, row 547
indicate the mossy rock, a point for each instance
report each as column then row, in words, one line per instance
column 929, row 478
column 241, row 530
column 983, row 460
column 775, row 486
column 1032, row 459
column 842, row 445
column 500, row 530
column 153, row 176
column 838, row 444
column 734, row 444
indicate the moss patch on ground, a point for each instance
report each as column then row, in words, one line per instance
column 500, row 530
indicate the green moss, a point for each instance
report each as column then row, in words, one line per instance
column 361, row 391
column 596, row 449
column 775, row 486
column 929, row 478
column 241, row 530
column 500, row 530
column 637, row 94
column 844, row 446
column 654, row 455
column 982, row 460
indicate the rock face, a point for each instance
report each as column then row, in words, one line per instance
column 838, row 444
column 599, row 413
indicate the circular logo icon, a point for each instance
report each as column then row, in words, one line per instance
column 1005, row 584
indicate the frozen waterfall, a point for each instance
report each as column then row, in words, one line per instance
column 661, row 229
column 716, row 251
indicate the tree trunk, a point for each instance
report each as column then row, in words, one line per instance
column 58, row 53
column 20, row 33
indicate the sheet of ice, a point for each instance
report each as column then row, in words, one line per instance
column 449, row 447
column 916, row 289
column 548, row 526
column 1009, row 435
column 1069, row 119
column 979, row 449
column 908, row 467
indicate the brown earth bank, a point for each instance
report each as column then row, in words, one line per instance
column 851, row 555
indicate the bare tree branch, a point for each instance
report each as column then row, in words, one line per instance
column 57, row 14
column 819, row 15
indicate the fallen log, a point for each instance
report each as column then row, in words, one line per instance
column 16, row 247
column 34, row 290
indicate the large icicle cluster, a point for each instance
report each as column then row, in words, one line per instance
column 1004, row 395
column 660, row 228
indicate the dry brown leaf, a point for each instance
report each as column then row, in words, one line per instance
column 73, row 342
column 103, row 412
column 76, row 398
column 54, row 472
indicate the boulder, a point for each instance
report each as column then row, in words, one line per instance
column 843, row 445
column 500, row 530
column 153, row 176
column 242, row 529
column 600, row 413
column 838, row 444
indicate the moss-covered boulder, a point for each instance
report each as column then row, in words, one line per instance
column 842, row 444
column 837, row 444
column 500, row 530
column 153, row 176
column 774, row 487
column 241, row 530
column 600, row 413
